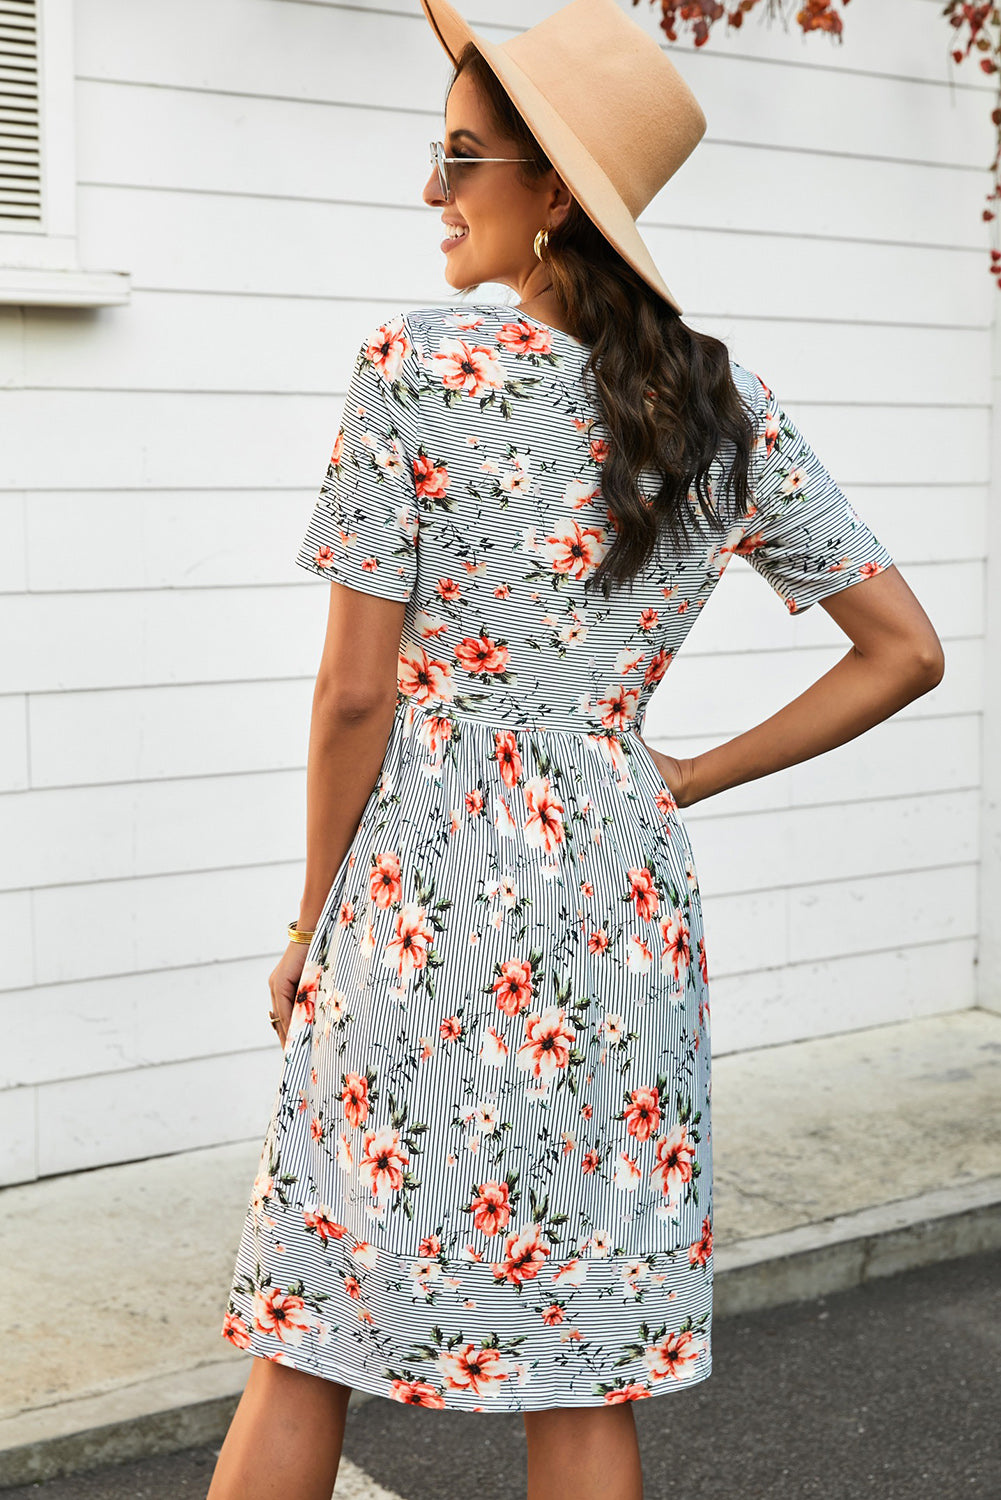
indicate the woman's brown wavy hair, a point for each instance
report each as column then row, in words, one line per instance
column 640, row 348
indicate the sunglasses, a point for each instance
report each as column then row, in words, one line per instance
column 440, row 162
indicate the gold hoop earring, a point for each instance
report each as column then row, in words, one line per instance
column 541, row 239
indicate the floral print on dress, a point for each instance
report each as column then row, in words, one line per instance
column 810, row 540
column 486, row 1181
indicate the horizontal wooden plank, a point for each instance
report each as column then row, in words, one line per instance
column 286, row 344
column 912, row 515
column 11, row 345
column 901, row 757
column 776, row 276
column 177, row 440
column 130, row 539
column 180, row 440
column 130, row 1116
column 145, row 539
column 836, row 842
column 754, row 606
column 162, row 922
column 78, row 834
column 766, row 1007
column 319, row 52
column 13, row 743
column 72, row 641
column 109, row 1025
column 134, row 135
column 14, row 552
column 716, row 694
column 145, row 734
column 16, row 940
column 174, row 921
column 114, row 1025
column 952, row 594
column 18, row 1131
column 879, row 912
column 137, row 638
column 770, row 929
column 123, row 830
column 279, row 344
column 204, row 242
column 895, row 39
column 862, row 362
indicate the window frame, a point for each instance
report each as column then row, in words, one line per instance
column 39, row 261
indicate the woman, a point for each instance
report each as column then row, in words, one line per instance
column 487, row 1180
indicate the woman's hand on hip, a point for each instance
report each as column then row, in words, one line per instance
column 679, row 775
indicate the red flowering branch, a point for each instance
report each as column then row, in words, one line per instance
column 976, row 28
column 702, row 15
column 981, row 25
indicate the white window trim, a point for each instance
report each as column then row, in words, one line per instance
column 39, row 264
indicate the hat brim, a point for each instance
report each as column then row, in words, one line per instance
column 588, row 182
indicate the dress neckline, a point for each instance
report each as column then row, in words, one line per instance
column 517, row 312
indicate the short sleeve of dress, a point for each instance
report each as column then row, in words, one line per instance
column 364, row 526
column 804, row 537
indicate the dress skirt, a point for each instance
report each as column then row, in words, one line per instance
column 486, row 1180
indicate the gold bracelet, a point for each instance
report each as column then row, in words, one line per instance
column 297, row 936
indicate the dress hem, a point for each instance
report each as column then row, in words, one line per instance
column 372, row 1387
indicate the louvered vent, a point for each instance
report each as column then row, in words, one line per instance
column 20, row 182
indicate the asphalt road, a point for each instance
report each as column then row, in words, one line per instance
column 891, row 1391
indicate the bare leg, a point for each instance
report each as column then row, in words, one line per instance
column 583, row 1453
column 285, row 1437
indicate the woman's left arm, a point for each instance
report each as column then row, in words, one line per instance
column 354, row 701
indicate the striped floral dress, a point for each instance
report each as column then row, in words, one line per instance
column 486, row 1182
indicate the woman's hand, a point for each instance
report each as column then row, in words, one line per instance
column 679, row 775
column 283, row 983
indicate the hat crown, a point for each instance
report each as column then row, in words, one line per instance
column 606, row 104
column 616, row 90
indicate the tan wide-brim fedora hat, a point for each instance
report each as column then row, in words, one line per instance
column 607, row 106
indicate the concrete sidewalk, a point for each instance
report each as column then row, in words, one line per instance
column 835, row 1161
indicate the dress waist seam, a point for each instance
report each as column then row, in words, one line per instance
column 440, row 708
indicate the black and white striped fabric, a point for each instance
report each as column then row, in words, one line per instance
column 486, row 1182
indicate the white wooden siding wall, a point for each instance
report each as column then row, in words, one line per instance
column 263, row 188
